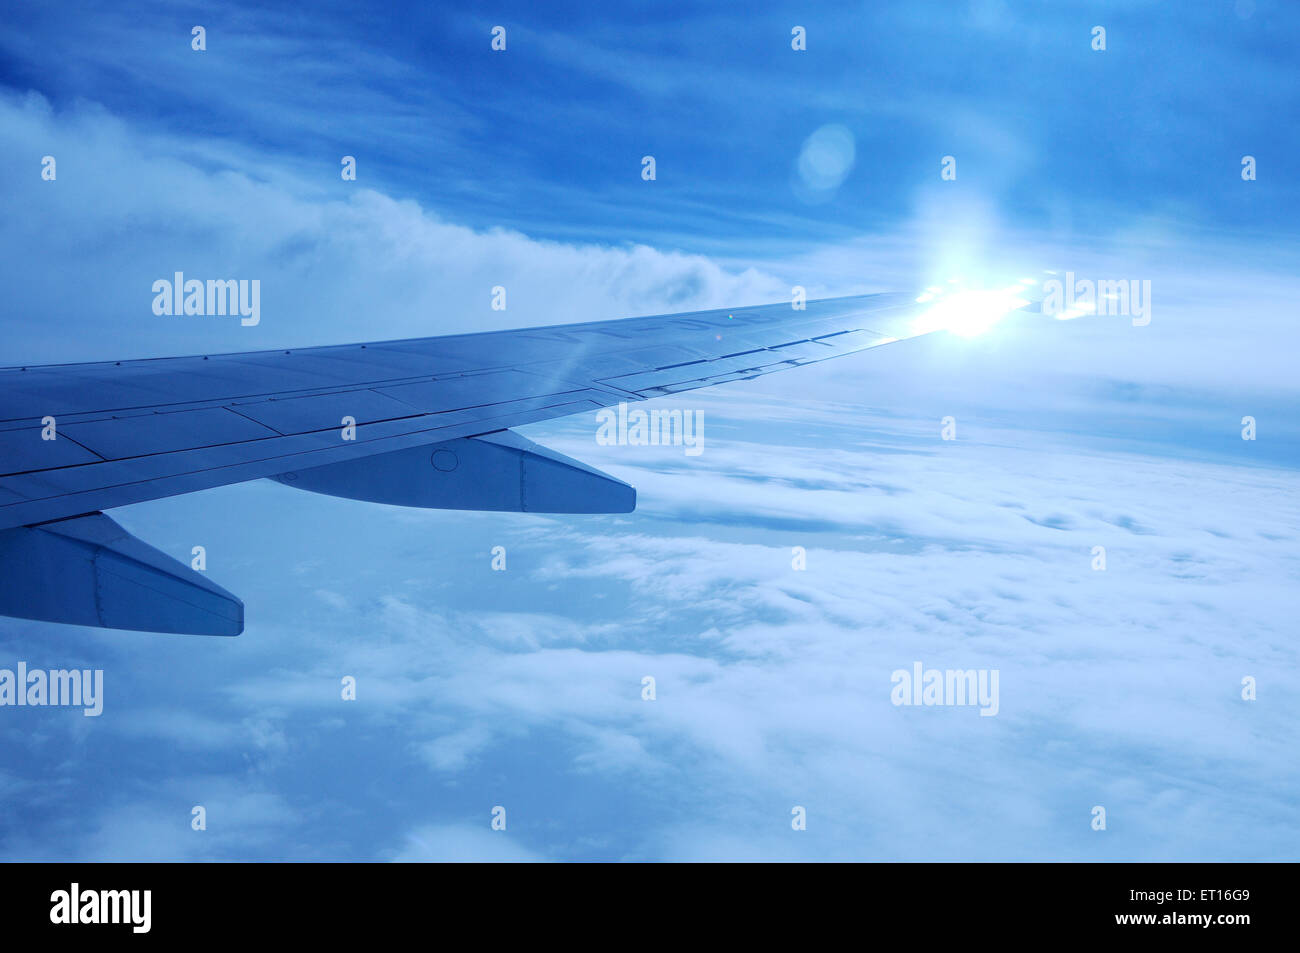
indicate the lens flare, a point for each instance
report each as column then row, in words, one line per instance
column 968, row 313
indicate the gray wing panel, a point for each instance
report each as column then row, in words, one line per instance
column 116, row 438
column 25, row 448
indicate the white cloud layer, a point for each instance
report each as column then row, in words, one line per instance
column 523, row 688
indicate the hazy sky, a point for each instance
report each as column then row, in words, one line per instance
column 522, row 688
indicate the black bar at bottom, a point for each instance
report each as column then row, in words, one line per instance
column 335, row 901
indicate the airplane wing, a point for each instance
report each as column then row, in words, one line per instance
column 420, row 422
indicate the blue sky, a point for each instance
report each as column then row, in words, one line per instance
column 522, row 168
